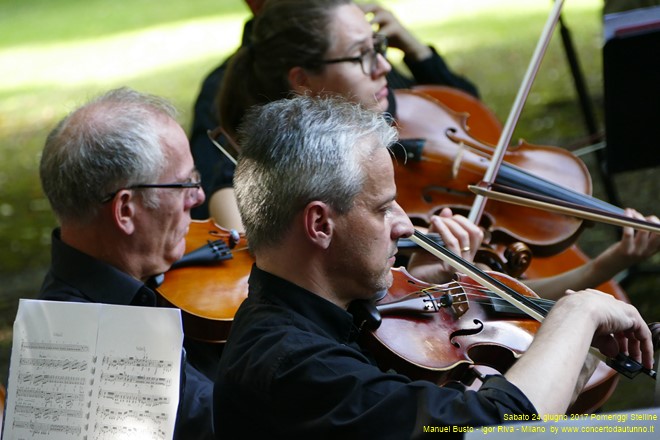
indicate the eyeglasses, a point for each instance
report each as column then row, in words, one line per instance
column 368, row 60
column 195, row 181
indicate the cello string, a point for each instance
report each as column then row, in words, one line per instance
column 539, row 201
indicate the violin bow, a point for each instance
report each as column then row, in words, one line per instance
column 622, row 363
column 213, row 134
column 507, row 194
column 521, row 302
column 505, row 138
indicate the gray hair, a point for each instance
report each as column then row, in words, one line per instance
column 298, row 150
column 112, row 142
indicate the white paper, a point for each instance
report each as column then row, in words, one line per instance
column 93, row 371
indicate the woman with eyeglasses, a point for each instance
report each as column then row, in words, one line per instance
column 329, row 47
column 424, row 65
column 324, row 47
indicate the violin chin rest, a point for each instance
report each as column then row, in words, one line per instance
column 365, row 314
column 211, row 252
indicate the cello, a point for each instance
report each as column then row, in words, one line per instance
column 476, row 212
column 445, row 159
column 479, row 121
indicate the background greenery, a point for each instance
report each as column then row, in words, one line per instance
column 54, row 55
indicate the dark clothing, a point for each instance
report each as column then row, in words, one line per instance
column 292, row 369
column 217, row 171
column 213, row 166
column 432, row 70
column 77, row 277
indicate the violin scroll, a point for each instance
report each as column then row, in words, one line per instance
column 513, row 260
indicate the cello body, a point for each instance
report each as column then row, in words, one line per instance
column 451, row 159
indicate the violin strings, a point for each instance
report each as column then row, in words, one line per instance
column 490, row 296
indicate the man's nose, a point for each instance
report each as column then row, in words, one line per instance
column 197, row 196
column 402, row 226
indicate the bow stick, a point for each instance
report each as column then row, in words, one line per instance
column 213, row 134
column 498, row 155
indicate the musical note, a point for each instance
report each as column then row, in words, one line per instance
column 138, row 398
column 50, row 363
column 142, row 363
column 123, row 378
column 88, row 378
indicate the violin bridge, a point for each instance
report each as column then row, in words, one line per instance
column 460, row 304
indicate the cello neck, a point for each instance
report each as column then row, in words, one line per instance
column 515, row 177
column 523, row 198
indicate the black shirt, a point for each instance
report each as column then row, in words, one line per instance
column 76, row 276
column 292, row 369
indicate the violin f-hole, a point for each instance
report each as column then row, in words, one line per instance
column 466, row 332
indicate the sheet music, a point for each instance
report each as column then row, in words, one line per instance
column 93, row 371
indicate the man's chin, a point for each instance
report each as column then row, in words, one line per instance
column 379, row 295
column 384, row 286
column 175, row 256
column 180, row 249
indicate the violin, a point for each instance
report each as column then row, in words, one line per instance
column 208, row 290
column 449, row 323
column 440, row 332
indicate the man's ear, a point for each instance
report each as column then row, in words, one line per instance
column 124, row 211
column 319, row 224
column 298, row 80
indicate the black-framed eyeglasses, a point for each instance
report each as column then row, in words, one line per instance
column 368, row 60
column 195, row 182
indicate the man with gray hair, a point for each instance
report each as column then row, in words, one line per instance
column 315, row 187
column 121, row 180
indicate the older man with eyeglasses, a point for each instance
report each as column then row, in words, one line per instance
column 121, row 181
